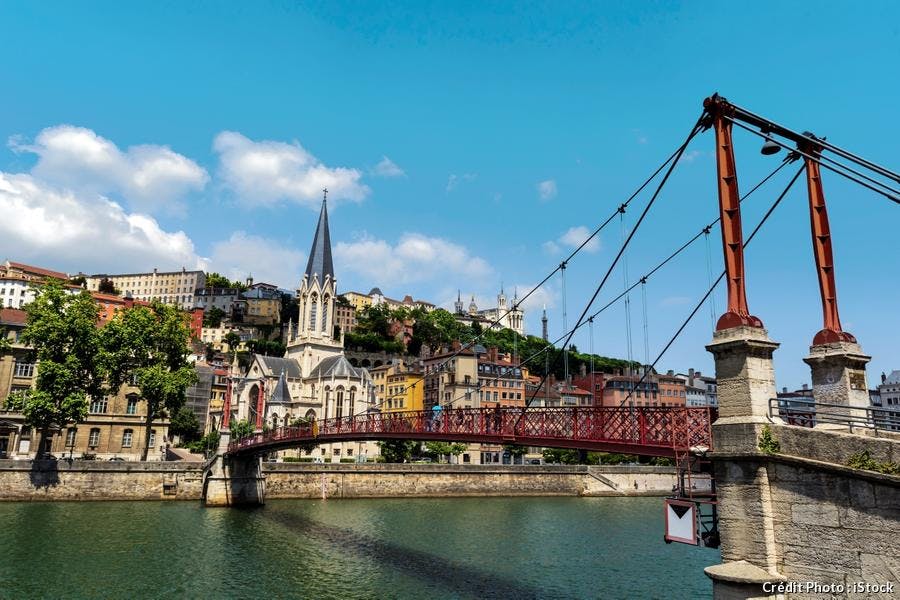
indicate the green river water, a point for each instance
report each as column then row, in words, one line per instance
column 397, row 548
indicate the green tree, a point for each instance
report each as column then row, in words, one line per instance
column 151, row 343
column 233, row 340
column 106, row 287
column 438, row 450
column 185, row 425
column 79, row 280
column 62, row 330
column 397, row 451
column 213, row 317
column 4, row 340
column 515, row 449
column 214, row 280
column 266, row 347
column 241, row 429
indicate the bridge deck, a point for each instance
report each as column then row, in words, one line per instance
column 648, row 431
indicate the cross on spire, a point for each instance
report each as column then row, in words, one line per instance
column 324, row 194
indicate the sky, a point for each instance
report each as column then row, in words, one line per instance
column 465, row 146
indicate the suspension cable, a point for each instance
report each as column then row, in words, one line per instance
column 719, row 279
column 673, row 156
column 646, row 326
column 628, row 341
column 712, row 300
column 660, row 265
column 694, row 131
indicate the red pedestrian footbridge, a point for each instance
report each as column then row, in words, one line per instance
column 647, row 431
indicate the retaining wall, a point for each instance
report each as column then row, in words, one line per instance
column 96, row 480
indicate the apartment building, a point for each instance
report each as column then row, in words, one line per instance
column 169, row 287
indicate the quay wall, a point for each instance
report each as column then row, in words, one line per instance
column 96, row 480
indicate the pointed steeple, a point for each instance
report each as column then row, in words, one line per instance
column 320, row 262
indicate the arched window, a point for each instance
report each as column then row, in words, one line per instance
column 313, row 311
column 311, row 415
column 352, row 399
column 324, row 324
column 339, row 409
column 327, row 402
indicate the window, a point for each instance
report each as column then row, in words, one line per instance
column 337, row 451
column 126, row 438
column 70, row 437
column 94, row 438
column 131, row 408
column 24, row 369
column 339, row 409
column 349, row 451
column 99, row 406
column 324, row 313
column 313, row 311
column 152, row 441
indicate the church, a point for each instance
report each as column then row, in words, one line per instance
column 314, row 380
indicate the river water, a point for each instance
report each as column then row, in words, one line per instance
column 398, row 548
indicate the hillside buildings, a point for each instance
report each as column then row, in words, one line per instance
column 169, row 287
column 503, row 316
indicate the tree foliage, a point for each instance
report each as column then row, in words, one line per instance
column 185, row 425
column 240, row 429
column 232, row 340
column 397, row 451
column 62, row 330
column 215, row 280
column 213, row 317
column 151, row 343
column 266, row 347
column 106, row 287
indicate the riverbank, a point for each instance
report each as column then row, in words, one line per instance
column 94, row 480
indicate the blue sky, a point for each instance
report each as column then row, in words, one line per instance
column 466, row 144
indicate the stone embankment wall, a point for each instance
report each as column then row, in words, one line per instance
column 95, row 480
column 304, row 480
column 98, row 480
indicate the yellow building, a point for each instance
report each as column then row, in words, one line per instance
column 405, row 390
column 357, row 300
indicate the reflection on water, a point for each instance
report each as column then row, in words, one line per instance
column 399, row 548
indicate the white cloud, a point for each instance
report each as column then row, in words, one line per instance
column 268, row 261
column 547, row 190
column 454, row 180
column 70, row 232
column 574, row 236
column 149, row 177
column 414, row 258
column 388, row 168
column 268, row 172
column 551, row 247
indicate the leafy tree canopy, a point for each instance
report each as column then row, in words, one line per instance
column 185, row 425
column 215, row 280
column 62, row 331
column 213, row 317
column 151, row 343
column 397, row 451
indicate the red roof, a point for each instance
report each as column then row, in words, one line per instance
column 38, row 270
column 13, row 316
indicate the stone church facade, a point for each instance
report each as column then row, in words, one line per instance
column 314, row 380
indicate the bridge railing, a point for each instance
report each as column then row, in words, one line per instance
column 806, row 412
column 669, row 427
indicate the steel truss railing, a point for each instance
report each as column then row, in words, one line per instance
column 651, row 431
column 809, row 413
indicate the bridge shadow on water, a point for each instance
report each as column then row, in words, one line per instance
column 454, row 578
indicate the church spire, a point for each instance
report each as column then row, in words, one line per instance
column 320, row 262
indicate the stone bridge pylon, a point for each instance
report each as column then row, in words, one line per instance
column 233, row 480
